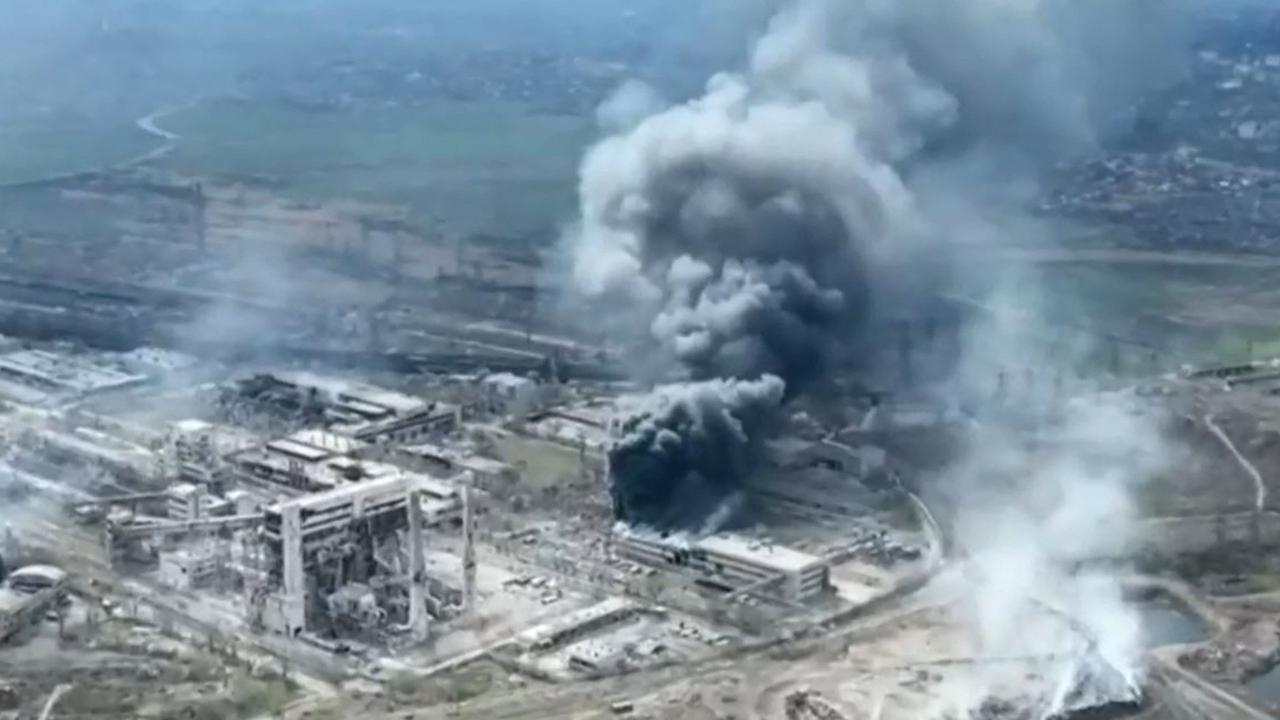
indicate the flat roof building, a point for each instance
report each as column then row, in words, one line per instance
column 306, row 461
column 728, row 562
column 363, row 412
column 576, row 625
column 35, row 376
column 589, row 426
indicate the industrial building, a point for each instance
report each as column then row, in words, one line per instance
column 187, row 501
column 192, row 567
column 510, row 394
column 37, row 377
column 306, row 461
column 20, row 610
column 196, row 450
column 575, row 625
column 362, row 412
column 351, row 554
column 728, row 562
column 484, row 471
column 588, row 427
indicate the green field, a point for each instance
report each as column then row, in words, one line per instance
column 468, row 167
column 1184, row 310
column 33, row 150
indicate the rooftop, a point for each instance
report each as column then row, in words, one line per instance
column 157, row 359
column 507, row 380
column 548, row 631
column 596, row 413
column 12, row 601
column 595, row 651
column 333, row 443
column 733, row 546
column 63, row 373
column 585, row 423
column 361, row 397
column 390, row 482
column 457, row 457
column 758, row 552
column 48, row 573
column 191, row 426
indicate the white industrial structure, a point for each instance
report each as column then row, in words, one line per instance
column 355, row 554
column 728, row 563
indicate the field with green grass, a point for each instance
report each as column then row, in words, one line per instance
column 35, row 148
column 469, row 167
column 1184, row 306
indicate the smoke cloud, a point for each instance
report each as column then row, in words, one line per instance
column 747, row 229
column 763, row 228
column 1031, row 521
column 632, row 102
column 687, row 450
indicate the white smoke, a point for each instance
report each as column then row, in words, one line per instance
column 1036, row 520
column 632, row 102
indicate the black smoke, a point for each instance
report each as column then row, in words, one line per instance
column 684, row 456
column 769, row 225
column 760, row 272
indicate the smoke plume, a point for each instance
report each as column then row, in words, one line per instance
column 1032, row 520
column 763, row 228
column 687, row 449
column 747, row 229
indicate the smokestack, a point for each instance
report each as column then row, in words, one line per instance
column 418, row 618
column 468, row 551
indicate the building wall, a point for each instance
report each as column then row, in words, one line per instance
column 720, row 570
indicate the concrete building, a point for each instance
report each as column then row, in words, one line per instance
column 187, row 501
column 20, row 610
column 576, row 625
column 363, row 412
column 90, row 447
column 596, row 655
column 727, row 562
column 589, row 427
column 318, row 461
column 306, row 461
column 189, row 568
column 184, row 501
column 818, row 476
column 156, row 362
column 39, row 376
column 510, row 394
column 485, row 472
column 320, row 545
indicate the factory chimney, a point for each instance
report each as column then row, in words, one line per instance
column 468, row 552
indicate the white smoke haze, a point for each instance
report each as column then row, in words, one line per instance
column 1033, row 517
column 633, row 101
